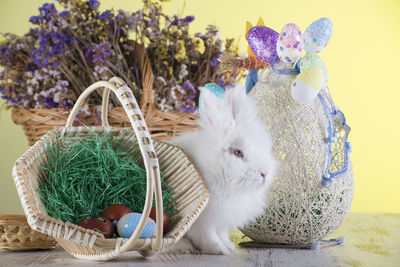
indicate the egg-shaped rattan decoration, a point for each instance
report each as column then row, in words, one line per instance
column 313, row 189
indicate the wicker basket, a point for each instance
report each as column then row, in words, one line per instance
column 162, row 125
column 16, row 234
column 179, row 173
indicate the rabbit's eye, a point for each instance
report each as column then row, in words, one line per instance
column 238, row 153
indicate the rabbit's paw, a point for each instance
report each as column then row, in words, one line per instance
column 209, row 244
column 224, row 236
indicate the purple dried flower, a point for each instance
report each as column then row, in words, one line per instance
column 99, row 54
column 105, row 16
column 132, row 22
column 187, row 86
column 188, row 109
column 36, row 19
column 93, row 4
column 221, row 81
column 64, row 13
column 108, row 13
column 214, row 62
column 47, row 10
column 188, row 19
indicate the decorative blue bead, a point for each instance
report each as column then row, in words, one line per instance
column 348, row 147
column 326, row 182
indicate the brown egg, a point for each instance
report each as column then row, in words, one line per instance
column 99, row 224
column 115, row 212
column 165, row 219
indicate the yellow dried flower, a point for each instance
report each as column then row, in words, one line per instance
column 198, row 45
column 181, row 50
column 175, row 30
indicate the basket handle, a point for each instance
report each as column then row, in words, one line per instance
column 148, row 95
column 131, row 107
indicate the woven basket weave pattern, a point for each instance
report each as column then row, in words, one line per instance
column 16, row 234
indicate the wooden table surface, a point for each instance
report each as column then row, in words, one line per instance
column 372, row 240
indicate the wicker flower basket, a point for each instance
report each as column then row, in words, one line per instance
column 162, row 125
column 16, row 234
column 179, row 173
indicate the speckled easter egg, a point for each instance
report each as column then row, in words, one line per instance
column 99, row 224
column 114, row 212
column 311, row 59
column 262, row 41
column 290, row 43
column 128, row 223
column 317, row 35
column 307, row 85
column 215, row 89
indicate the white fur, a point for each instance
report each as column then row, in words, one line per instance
column 236, row 187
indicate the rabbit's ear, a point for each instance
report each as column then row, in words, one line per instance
column 211, row 111
column 237, row 103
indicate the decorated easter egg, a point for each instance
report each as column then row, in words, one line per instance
column 290, row 43
column 128, row 223
column 260, row 22
column 99, row 224
column 307, row 85
column 311, row 59
column 262, row 41
column 317, row 35
column 215, row 89
column 153, row 215
column 114, row 212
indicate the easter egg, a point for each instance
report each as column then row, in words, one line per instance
column 215, row 89
column 262, row 41
column 290, row 43
column 165, row 217
column 128, row 223
column 114, row 212
column 311, row 59
column 307, row 85
column 317, row 35
column 99, row 224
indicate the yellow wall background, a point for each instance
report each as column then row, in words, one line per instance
column 363, row 59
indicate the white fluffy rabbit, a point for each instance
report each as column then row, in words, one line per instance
column 232, row 152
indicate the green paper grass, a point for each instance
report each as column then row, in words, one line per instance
column 83, row 176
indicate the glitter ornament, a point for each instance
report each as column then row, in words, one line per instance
column 262, row 41
column 290, row 43
column 317, row 35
